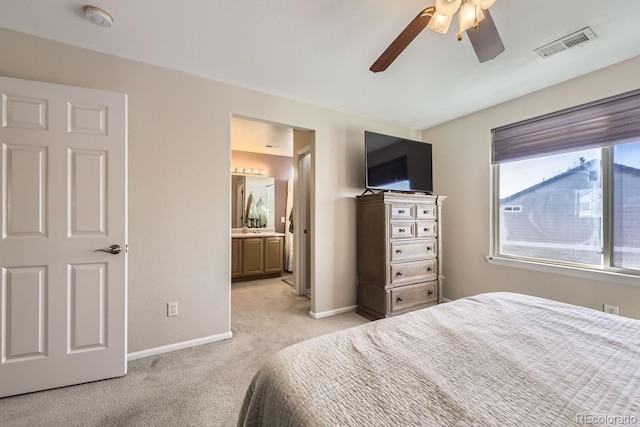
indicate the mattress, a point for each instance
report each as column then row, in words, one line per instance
column 495, row 359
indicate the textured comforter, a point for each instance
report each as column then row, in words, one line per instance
column 498, row 359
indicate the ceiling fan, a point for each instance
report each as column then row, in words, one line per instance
column 473, row 17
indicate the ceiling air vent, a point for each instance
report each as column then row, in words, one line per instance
column 567, row 42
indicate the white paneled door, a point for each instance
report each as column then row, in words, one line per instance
column 64, row 195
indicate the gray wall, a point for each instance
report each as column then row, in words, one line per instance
column 179, row 184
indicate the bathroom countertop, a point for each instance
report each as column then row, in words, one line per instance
column 241, row 235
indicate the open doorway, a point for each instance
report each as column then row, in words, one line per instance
column 281, row 152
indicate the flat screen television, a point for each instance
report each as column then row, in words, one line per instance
column 397, row 164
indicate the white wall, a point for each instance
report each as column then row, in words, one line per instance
column 179, row 183
column 462, row 156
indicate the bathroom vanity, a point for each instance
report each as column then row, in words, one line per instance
column 256, row 255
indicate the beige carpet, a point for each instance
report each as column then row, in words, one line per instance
column 200, row 386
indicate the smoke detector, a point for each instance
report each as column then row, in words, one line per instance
column 567, row 42
column 98, row 16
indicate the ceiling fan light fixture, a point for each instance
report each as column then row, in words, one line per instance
column 447, row 7
column 440, row 23
column 469, row 16
column 485, row 39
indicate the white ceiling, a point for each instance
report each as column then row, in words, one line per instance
column 320, row 51
column 259, row 137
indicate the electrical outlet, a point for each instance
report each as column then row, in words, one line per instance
column 611, row 309
column 172, row 309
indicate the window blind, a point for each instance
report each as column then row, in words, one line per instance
column 608, row 121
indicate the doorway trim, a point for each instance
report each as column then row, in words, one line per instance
column 303, row 242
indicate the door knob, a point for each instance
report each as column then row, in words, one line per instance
column 113, row 249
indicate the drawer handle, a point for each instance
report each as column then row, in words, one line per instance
column 429, row 248
column 426, row 212
column 430, row 293
column 398, row 251
column 399, row 273
column 426, row 229
column 401, row 211
column 399, row 299
column 401, row 230
column 430, row 269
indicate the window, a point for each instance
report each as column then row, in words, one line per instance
column 568, row 187
column 626, row 206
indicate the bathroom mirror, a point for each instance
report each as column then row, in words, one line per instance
column 252, row 201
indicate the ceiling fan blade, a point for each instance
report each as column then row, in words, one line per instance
column 485, row 39
column 403, row 40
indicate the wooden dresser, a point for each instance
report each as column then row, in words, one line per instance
column 399, row 253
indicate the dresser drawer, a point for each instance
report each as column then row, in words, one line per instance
column 410, row 272
column 400, row 212
column 412, row 295
column 408, row 251
column 426, row 229
column 403, row 230
column 427, row 212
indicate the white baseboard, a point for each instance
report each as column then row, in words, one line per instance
column 446, row 300
column 178, row 346
column 332, row 312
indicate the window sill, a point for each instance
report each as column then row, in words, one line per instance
column 584, row 273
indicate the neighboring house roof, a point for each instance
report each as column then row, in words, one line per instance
column 626, row 169
column 585, row 166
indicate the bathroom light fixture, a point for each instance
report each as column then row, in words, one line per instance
column 247, row 171
column 98, row 16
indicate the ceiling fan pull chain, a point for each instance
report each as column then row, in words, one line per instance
column 460, row 30
column 475, row 18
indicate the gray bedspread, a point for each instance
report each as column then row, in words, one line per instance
column 497, row 359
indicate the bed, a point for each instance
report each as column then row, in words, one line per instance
column 495, row 359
